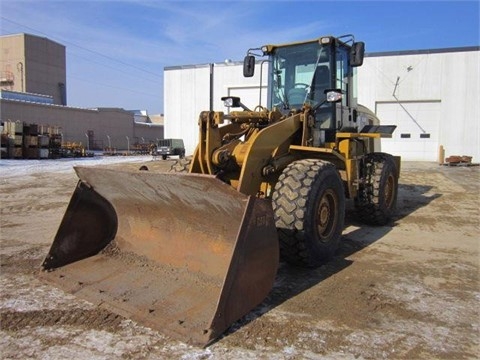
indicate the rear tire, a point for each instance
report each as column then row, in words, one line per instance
column 309, row 209
column 377, row 198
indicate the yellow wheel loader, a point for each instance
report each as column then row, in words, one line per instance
column 189, row 253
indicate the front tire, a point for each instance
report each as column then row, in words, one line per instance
column 309, row 208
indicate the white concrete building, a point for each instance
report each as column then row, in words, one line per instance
column 190, row 90
column 431, row 95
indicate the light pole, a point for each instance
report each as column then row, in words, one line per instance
column 128, row 145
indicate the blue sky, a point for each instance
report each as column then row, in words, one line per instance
column 117, row 50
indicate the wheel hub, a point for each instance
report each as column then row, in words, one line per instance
column 326, row 215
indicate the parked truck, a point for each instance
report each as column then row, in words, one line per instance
column 170, row 147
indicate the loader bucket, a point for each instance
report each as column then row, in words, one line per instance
column 185, row 254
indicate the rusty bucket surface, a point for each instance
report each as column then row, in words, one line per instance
column 182, row 253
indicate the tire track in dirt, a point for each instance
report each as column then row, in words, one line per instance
column 97, row 319
column 51, row 206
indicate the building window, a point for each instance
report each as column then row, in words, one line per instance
column 424, row 136
column 405, row 136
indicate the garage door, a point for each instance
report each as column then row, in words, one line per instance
column 249, row 95
column 417, row 133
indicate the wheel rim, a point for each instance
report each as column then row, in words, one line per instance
column 326, row 215
column 389, row 191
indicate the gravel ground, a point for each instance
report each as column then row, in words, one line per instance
column 409, row 290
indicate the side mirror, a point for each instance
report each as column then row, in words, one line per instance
column 357, row 53
column 249, row 66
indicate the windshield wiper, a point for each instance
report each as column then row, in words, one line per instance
column 281, row 92
column 320, row 53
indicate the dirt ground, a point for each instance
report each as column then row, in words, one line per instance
column 410, row 290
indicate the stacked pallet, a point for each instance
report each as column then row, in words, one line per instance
column 13, row 133
column 30, row 141
column 457, row 160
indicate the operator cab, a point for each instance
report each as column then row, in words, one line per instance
column 303, row 73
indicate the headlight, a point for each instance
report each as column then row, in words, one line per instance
column 334, row 96
column 231, row 101
column 325, row 40
column 228, row 102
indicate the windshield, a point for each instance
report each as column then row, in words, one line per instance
column 300, row 73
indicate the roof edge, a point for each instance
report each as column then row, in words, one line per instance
column 24, row 35
column 423, row 51
column 372, row 54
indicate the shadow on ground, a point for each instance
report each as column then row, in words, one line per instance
column 291, row 281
